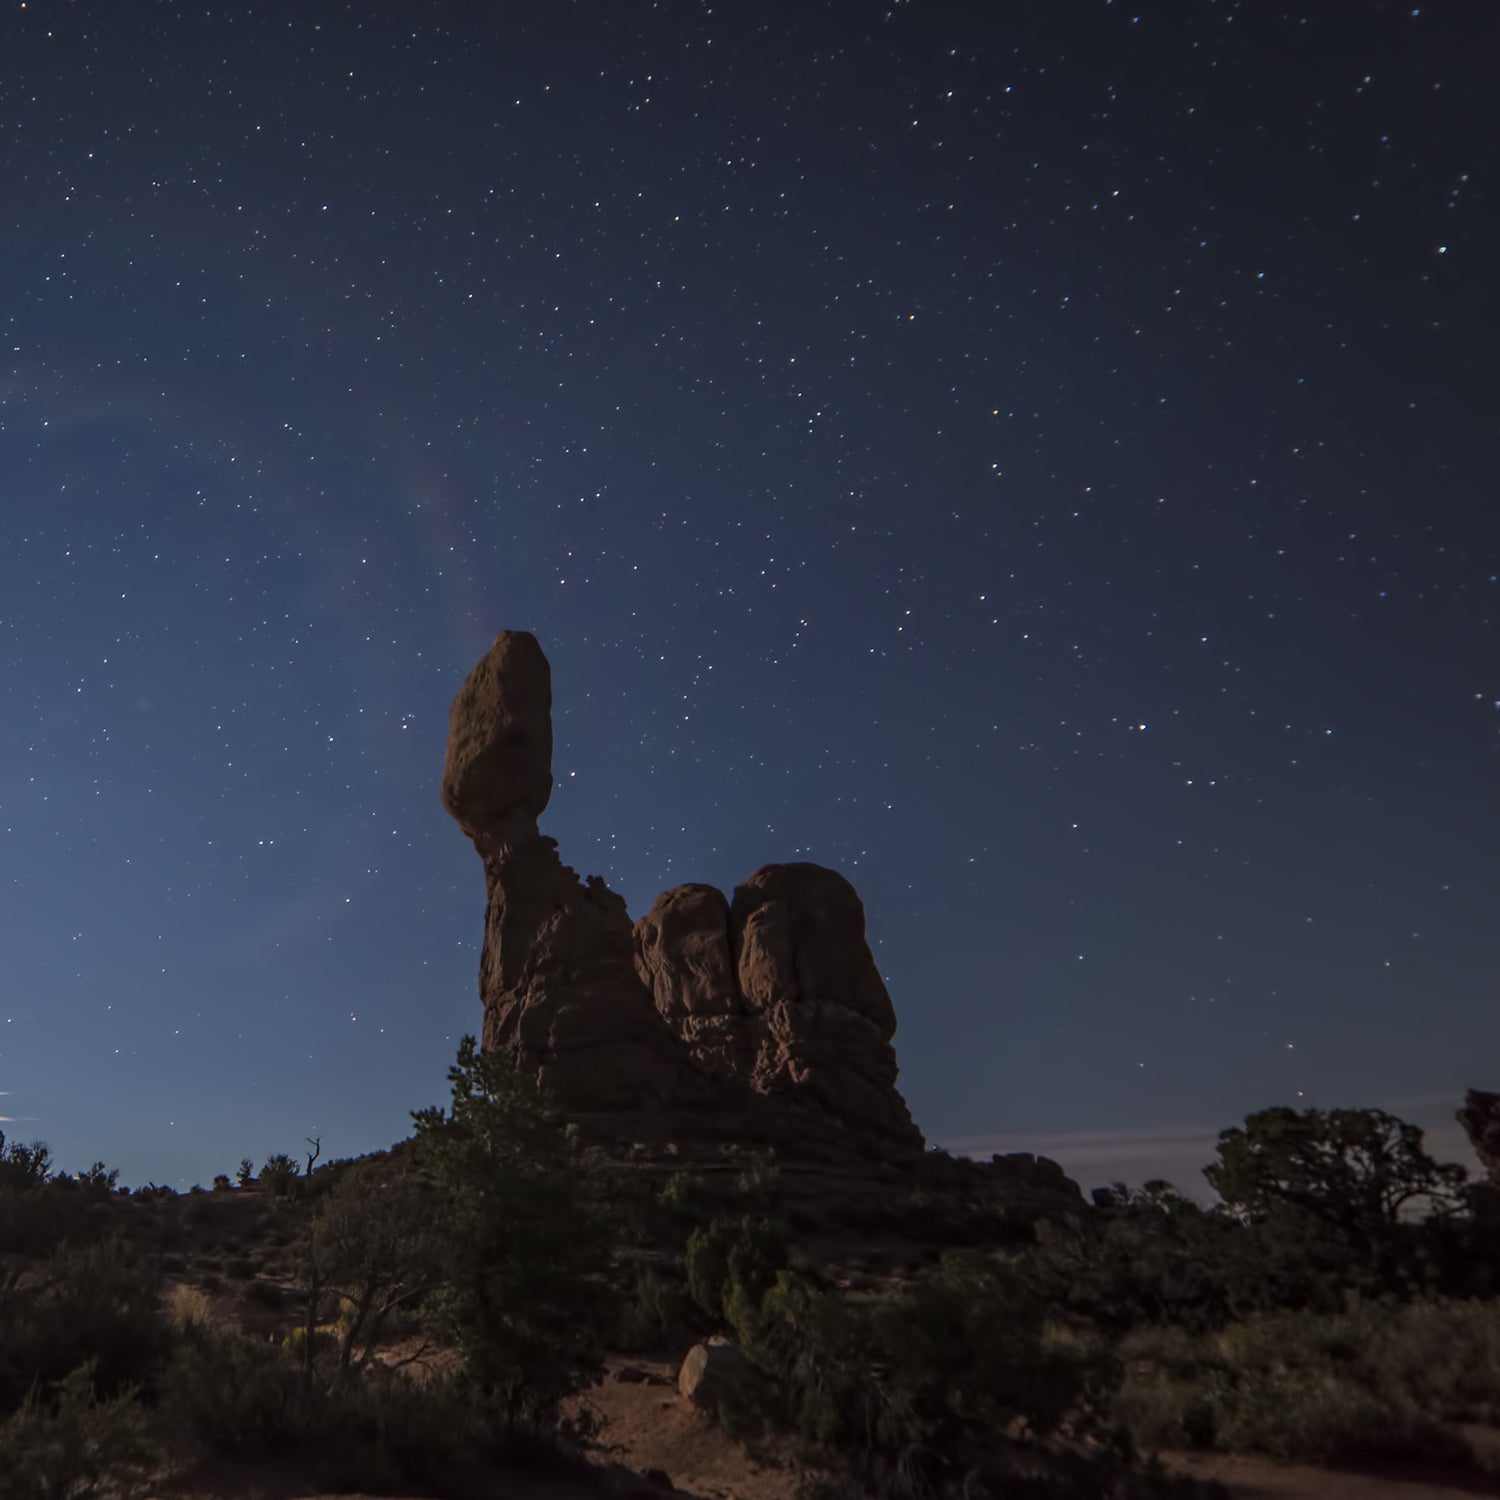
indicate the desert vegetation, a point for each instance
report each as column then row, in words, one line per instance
column 416, row 1319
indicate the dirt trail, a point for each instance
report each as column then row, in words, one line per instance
column 1260, row 1479
column 651, row 1427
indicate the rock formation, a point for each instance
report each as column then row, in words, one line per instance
column 556, row 974
column 499, row 760
column 768, row 1010
column 1480, row 1118
column 779, row 988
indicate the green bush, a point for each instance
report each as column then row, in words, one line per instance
column 1377, row 1381
column 375, row 1247
column 40, row 1211
column 235, row 1393
column 379, row 1431
column 68, row 1444
column 279, row 1175
column 659, row 1316
column 957, row 1383
column 524, row 1250
column 731, row 1258
column 99, row 1303
column 1150, row 1256
column 23, row 1167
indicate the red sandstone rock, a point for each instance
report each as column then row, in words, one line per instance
column 780, row 991
column 683, row 954
column 560, row 990
column 499, row 759
column 799, row 933
column 702, row 1004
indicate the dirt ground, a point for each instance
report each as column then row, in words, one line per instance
column 651, row 1427
column 1260, row 1479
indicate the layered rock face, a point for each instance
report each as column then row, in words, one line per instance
column 765, row 1007
column 1480, row 1118
column 779, row 988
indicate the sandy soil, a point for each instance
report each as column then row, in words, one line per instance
column 1260, row 1479
column 651, row 1427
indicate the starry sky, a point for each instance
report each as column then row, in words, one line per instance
column 1036, row 458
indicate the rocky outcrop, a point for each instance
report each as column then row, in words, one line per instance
column 557, row 973
column 779, row 989
column 560, row 990
column 767, row 1012
column 1480, row 1118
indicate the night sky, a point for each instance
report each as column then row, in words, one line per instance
column 1037, row 458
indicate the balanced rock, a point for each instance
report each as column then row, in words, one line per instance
column 765, row 1018
column 1480, row 1118
column 557, row 972
column 499, row 759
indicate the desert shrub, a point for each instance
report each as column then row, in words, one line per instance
column 279, row 1175
column 98, row 1180
column 731, row 1258
column 188, row 1306
column 23, row 1166
column 658, row 1315
column 385, row 1431
column 525, row 1294
column 241, row 1267
column 99, row 1303
column 759, row 1180
column 234, row 1393
column 959, row 1382
column 1150, row 1256
column 312, row 1348
column 375, row 1432
column 374, row 1247
column 40, row 1212
column 686, row 1194
column 68, row 1444
column 1377, row 1381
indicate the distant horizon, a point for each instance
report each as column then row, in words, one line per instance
column 1175, row 1152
